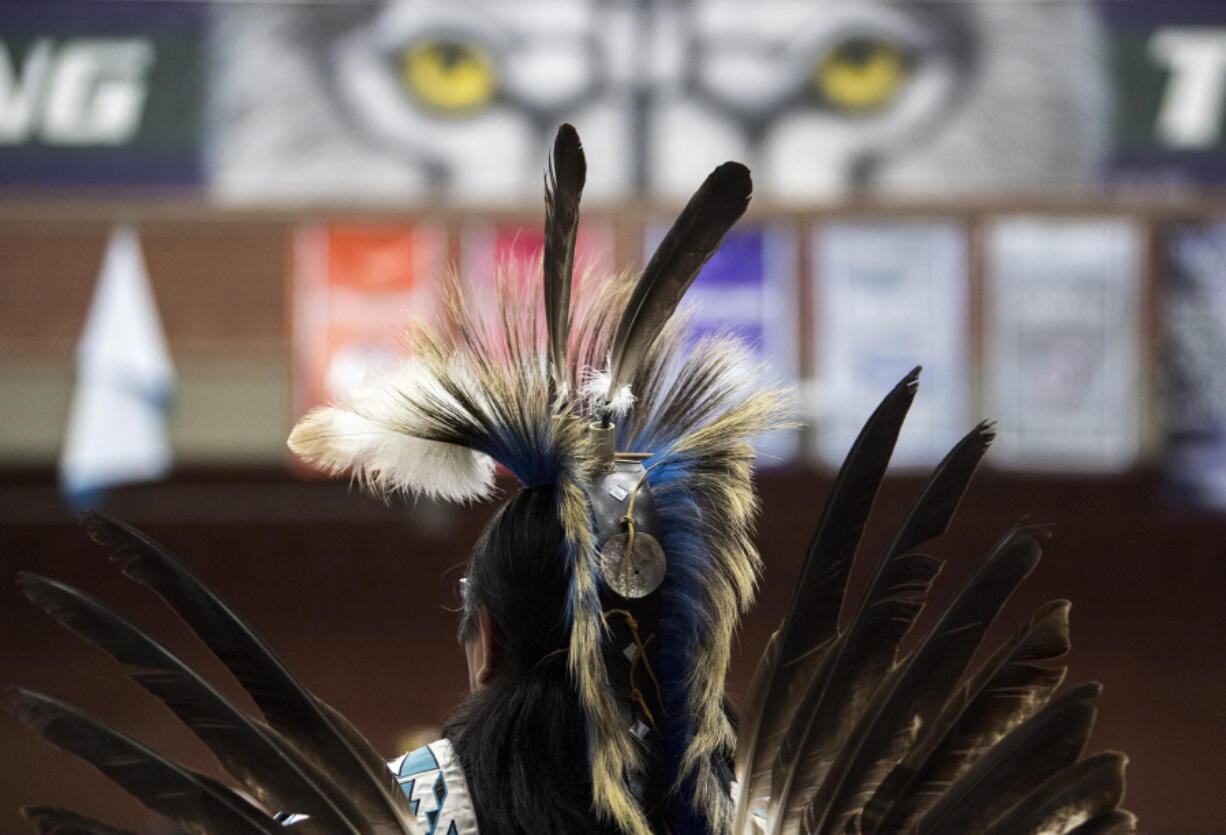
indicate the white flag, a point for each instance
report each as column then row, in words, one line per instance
column 117, row 425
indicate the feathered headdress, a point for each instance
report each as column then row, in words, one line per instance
column 599, row 397
column 840, row 732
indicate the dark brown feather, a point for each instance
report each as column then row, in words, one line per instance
column 563, row 187
column 1084, row 791
column 1003, row 693
column 189, row 799
column 1049, row 741
column 1116, row 822
column 50, row 820
column 689, row 244
column 935, row 507
column 843, row 686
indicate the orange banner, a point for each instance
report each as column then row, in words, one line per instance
column 355, row 289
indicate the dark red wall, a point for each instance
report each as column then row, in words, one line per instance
column 355, row 596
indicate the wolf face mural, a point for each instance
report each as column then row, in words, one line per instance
column 456, row 100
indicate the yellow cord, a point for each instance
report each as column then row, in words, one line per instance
column 628, row 521
column 549, row 655
column 636, row 695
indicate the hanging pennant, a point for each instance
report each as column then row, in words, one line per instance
column 1062, row 343
column 117, row 426
column 1194, row 374
column 890, row 296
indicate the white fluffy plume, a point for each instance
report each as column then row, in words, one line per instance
column 386, row 461
column 596, row 387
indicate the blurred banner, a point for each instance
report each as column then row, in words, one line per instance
column 1168, row 64
column 117, row 432
column 355, row 289
column 889, row 297
column 102, row 94
column 1062, row 359
column 1195, row 371
column 513, row 251
column 410, row 101
column 748, row 289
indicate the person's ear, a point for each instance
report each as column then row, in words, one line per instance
column 479, row 652
column 485, row 671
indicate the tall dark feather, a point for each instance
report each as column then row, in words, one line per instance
column 1049, row 741
column 563, row 187
column 689, row 244
column 1005, row 691
column 191, row 800
column 1081, row 792
column 858, row 662
column 937, row 502
column 50, row 820
column 914, row 695
column 811, row 623
column 286, row 705
column 270, row 769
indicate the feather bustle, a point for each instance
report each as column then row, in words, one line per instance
column 1007, row 690
column 917, row 690
column 811, row 624
column 1049, row 741
column 189, row 799
column 862, row 656
column 286, row 705
column 269, row 768
column 1069, row 798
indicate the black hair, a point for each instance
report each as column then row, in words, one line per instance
column 522, row 737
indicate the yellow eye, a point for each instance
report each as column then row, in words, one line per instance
column 449, row 76
column 861, row 76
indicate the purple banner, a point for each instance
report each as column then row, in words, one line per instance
column 1195, row 375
